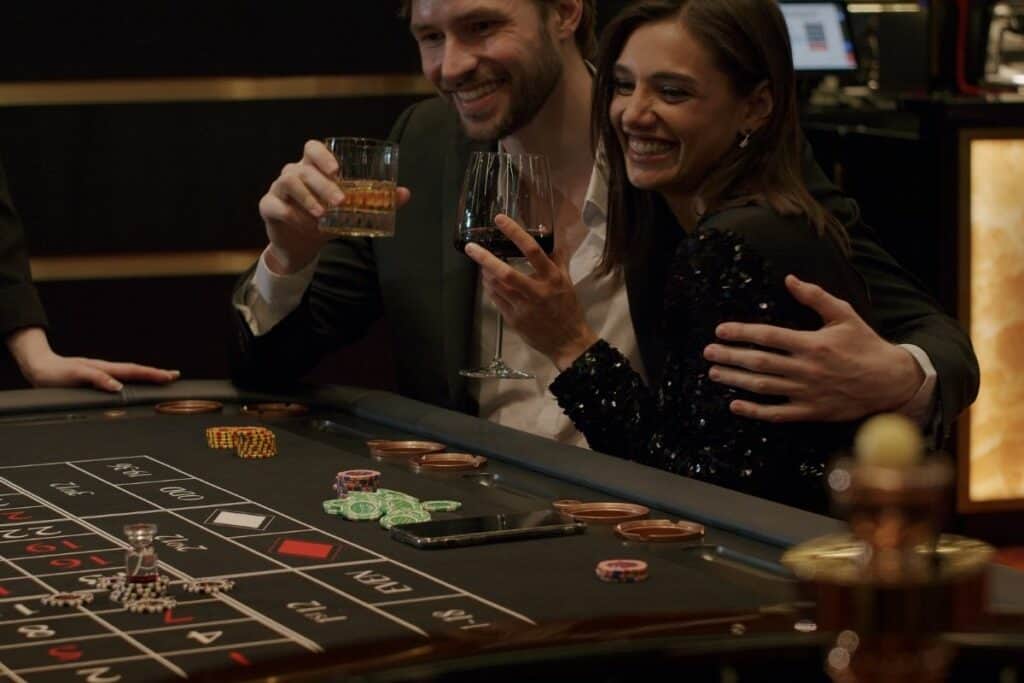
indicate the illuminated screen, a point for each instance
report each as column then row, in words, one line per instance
column 820, row 36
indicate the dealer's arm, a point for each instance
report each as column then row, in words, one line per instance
column 23, row 323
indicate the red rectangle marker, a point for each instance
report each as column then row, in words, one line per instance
column 317, row 551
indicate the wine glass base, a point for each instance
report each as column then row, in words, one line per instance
column 496, row 370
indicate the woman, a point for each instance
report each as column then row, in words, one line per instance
column 695, row 108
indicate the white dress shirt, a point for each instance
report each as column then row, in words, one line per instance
column 526, row 404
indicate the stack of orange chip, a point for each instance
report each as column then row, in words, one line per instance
column 247, row 442
column 256, row 444
column 220, row 437
column 224, row 437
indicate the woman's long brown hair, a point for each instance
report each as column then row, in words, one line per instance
column 749, row 43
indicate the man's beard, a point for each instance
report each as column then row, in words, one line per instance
column 529, row 94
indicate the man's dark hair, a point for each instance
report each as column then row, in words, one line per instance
column 586, row 32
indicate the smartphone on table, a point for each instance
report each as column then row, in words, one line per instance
column 451, row 533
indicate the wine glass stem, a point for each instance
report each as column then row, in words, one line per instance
column 498, row 337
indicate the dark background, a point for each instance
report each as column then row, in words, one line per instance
column 186, row 176
column 180, row 176
column 156, row 39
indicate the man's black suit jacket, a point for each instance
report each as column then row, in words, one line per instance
column 426, row 288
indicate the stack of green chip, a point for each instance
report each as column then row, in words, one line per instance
column 389, row 506
column 401, row 508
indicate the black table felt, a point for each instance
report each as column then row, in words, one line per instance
column 71, row 477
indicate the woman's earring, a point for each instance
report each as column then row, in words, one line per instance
column 746, row 139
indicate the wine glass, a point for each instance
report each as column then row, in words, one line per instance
column 519, row 186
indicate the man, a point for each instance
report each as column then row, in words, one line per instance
column 23, row 323
column 513, row 74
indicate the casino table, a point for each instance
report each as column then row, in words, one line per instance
column 317, row 593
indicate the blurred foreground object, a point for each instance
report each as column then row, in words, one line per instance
column 891, row 585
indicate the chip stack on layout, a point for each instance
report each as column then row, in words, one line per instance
column 255, row 444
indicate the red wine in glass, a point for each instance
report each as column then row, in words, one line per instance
column 494, row 241
column 519, row 186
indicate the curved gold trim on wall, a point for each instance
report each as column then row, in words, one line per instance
column 142, row 265
column 864, row 7
column 232, row 89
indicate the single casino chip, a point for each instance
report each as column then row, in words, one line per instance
column 209, row 586
column 188, row 407
column 150, row 605
column 404, row 517
column 396, row 505
column 362, row 510
column 70, row 599
column 390, row 493
column 621, row 571
column 441, row 505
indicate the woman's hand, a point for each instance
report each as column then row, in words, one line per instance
column 541, row 306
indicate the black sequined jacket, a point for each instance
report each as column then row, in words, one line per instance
column 730, row 269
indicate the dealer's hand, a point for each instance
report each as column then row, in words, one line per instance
column 541, row 306
column 843, row 371
column 42, row 367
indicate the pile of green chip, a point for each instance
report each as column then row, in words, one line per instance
column 388, row 506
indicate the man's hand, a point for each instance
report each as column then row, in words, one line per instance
column 295, row 202
column 44, row 368
column 843, row 371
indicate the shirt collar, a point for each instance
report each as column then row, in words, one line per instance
column 595, row 203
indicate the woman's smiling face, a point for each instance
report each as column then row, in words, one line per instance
column 674, row 112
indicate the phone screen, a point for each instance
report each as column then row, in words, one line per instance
column 470, row 530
